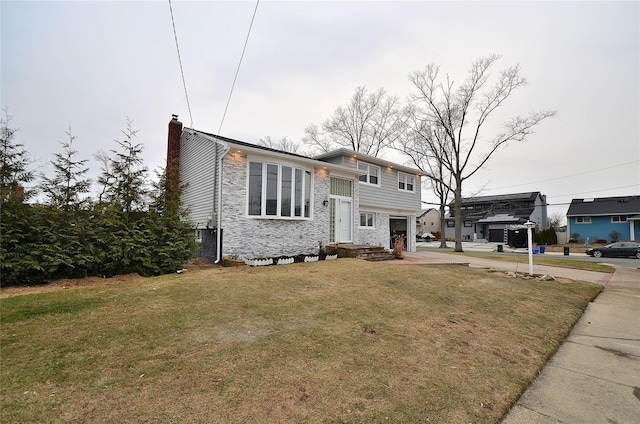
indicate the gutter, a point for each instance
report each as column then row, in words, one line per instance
column 219, row 223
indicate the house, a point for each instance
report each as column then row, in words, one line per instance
column 254, row 201
column 606, row 218
column 491, row 217
column 428, row 221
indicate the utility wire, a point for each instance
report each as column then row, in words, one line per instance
column 184, row 84
column 566, row 176
column 246, row 41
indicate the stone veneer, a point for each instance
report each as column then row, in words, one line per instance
column 250, row 237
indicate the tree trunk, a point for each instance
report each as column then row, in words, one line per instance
column 443, row 239
column 457, row 210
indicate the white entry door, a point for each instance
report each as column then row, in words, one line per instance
column 344, row 221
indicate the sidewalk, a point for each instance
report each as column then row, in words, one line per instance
column 594, row 377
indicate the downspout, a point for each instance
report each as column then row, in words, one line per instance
column 219, row 223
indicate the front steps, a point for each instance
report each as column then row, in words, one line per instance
column 369, row 253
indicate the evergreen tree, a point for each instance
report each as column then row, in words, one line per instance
column 124, row 175
column 13, row 162
column 67, row 186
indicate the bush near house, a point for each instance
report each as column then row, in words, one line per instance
column 39, row 243
column 546, row 237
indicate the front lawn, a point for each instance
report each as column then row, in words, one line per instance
column 339, row 341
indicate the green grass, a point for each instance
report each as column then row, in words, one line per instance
column 340, row 341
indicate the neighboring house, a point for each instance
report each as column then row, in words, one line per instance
column 428, row 221
column 599, row 218
column 254, row 201
column 491, row 217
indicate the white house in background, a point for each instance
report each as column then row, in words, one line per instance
column 428, row 221
column 254, row 201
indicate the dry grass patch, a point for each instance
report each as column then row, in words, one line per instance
column 340, row 341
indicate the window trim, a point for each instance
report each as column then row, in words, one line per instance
column 467, row 224
column 451, row 224
column 406, row 178
column 368, row 174
column 373, row 220
column 306, row 194
column 581, row 220
column 619, row 220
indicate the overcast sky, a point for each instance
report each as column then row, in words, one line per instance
column 90, row 65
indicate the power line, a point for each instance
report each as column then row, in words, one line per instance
column 566, row 176
column 246, row 41
column 184, row 83
column 596, row 191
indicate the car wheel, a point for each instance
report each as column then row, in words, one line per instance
column 638, row 254
column 597, row 254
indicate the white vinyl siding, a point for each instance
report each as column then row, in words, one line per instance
column 405, row 182
column 372, row 175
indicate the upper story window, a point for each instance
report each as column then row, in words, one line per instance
column 372, row 175
column 583, row 220
column 405, row 182
column 619, row 219
column 279, row 191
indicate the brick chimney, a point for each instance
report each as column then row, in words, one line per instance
column 173, row 154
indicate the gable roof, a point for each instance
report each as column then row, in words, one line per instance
column 528, row 196
column 423, row 212
column 248, row 145
column 623, row 205
column 367, row 158
column 254, row 148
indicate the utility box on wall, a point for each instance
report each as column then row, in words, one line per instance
column 209, row 244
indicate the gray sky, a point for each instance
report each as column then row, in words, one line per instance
column 90, row 65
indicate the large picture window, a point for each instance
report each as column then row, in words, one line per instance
column 277, row 190
column 372, row 175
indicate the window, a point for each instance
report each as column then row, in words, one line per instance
column 367, row 220
column 467, row 223
column 583, row 220
column 451, row 224
column 405, row 182
column 279, row 191
column 620, row 219
column 372, row 173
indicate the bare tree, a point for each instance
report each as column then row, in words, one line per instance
column 460, row 115
column 422, row 145
column 284, row 144
column 556, row 220
column 370, row 123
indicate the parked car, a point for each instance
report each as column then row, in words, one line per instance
column 425, row 237
column 623, row 249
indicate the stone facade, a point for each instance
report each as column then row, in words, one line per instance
column 251, row 237
column 374, row 236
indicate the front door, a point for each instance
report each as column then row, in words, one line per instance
column 344, row 221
